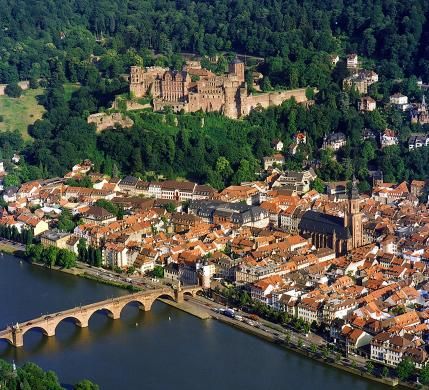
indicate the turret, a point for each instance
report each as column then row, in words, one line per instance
column 236, row 67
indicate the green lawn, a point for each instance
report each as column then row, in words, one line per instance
column 69, row 88
column 19, row 113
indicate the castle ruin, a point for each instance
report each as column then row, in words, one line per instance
column 195, row 88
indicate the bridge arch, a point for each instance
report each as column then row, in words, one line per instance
column 163, row 294
column 8, row 339
column 103, row 309
column 36, row 327
column 140, row 303
column 193, row 291
column 77, row 321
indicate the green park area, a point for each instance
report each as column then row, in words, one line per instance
column 19, row 113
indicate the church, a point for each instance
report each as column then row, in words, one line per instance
column 339, row 233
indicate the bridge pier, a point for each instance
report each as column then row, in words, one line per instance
column 82, row 323
column 114, row 314
column 178, row 295
column 17, row 338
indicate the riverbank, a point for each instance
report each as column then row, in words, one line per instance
column 188, row 308
column 11, row 248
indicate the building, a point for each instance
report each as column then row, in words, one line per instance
column 310, row 310
column 179, row 190
column 34, row 223
column 334, row 141
column 339, row 233
column 277, row 145
column 419, row 113
column 418, row 141
column 214, row 211
column 399, row 101
column 272, row 161
column 389, row 348
column 388, row 138
column 98, row 215
column 298, row 182
column 352, row 61
column 226, row 94
column 367, row 103
column 360, row 81
column 55, row 238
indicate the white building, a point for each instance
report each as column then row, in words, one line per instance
column 399, row 101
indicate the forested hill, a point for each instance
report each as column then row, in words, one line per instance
column 393, row 32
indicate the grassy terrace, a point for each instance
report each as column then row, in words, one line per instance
column 19, row 113
column 69, row 88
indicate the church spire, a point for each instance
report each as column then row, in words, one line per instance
column 355, row 190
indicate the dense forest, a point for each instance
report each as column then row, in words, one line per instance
column 94, row 43
column 291, row 34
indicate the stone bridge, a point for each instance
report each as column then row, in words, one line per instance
column 81, row 315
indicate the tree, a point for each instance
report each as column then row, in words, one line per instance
column 11, row 180
column 50, row 255
column 424, row 375
column 85, row 385
column 385, row 372
column 370, row 367
column 98, row 258
column 13, row 90
column 34, row 252
column 82, row 250
column 107, row 205
column 405, row 369
column 318, row 185
column 65, row 221
column 158, row 272
column 66, row 258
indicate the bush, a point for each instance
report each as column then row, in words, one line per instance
column 34, row 83
column 13, row 90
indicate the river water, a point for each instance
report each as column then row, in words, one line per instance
column 146, row 350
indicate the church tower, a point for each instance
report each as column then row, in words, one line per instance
column 354, row 218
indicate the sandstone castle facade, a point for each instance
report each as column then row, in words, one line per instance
column 195, row 88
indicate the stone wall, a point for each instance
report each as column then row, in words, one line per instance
column 268, row 99
column 104, row 121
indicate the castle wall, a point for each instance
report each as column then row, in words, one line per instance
column 268, row 99
column 226, row 94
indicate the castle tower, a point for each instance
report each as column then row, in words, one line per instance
column 355, row 217
column 230, row 108
column 237, row 67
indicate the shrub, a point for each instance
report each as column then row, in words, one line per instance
column 13, row 90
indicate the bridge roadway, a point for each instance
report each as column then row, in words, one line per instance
column 81, row 315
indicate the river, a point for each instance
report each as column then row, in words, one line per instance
column 161, row 349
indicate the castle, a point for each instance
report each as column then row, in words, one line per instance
column 195, row 88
